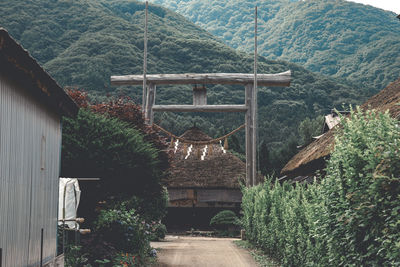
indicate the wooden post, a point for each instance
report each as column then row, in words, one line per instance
column 153, row 101
column 145, row 60
column 249, row 134
column 199, row 95
column 151, row 97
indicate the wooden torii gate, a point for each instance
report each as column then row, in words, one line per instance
column 200, row 101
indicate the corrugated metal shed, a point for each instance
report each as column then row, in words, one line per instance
column 30, row 141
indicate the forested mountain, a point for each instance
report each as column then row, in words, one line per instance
column 333, row 37
column 83, row 42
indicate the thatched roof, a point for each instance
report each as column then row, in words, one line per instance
column 219, row 170
column 313, row 156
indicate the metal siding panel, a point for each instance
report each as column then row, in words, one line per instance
column 28, row 195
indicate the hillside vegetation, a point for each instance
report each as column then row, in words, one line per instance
column 83, row 42
column 337, row 38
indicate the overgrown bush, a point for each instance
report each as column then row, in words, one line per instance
column 116, row 146
column 99, row 146
column 362, row 183
column 125, row 230
column 351, row 218
column 158, row 231
column 226, row 223
column 224, row 219
column 74, row 257
column 117, row 232
column 121, row 237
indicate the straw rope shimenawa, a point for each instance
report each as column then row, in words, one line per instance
column 193, row 142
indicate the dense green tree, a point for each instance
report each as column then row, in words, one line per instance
column 128, row 166
column 264, row 159
column 310, row 128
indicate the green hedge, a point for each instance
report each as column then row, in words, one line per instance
column 351, row 218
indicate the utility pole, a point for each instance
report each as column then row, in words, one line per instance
column 145, row 59
column 254, row 106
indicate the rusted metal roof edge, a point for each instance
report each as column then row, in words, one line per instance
column 19, row 64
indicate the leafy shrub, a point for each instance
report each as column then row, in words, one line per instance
column 74, row 257
column 362, row 183
column 125, row 230
column 158, row 231
column 126, row 259
column 120, row 236
column 151, row 210
column 224, row 219
column 96, row 248
column 351, row 218
column 99, row 146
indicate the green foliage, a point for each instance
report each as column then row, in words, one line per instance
column 125, row 230
column 363, row 177
column 274, row 157
column 84, row 51
column 102, row 263
column 97, row 146
column 310, row 128
column 351, row 218
column 75, row 258
column 158, row 231
column 337, row 38
column 125, row 259
column 224, row 219
column 151, row 209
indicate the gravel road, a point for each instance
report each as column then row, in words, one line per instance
column 179, row 251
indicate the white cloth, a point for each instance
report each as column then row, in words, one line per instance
column 68, row 201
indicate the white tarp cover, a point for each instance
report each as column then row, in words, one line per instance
column 68, row 201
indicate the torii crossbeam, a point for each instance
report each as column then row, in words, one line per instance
column 200, row 101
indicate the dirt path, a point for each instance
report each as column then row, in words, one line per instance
column 179, row 251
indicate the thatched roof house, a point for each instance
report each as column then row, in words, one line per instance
column 313, row 157
column 212, row 180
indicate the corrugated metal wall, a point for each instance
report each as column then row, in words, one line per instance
column 30, row 138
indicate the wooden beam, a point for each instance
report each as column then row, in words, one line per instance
column 278, row 79
column 200, row 108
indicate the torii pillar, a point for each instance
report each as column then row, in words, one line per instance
column 200, row 101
